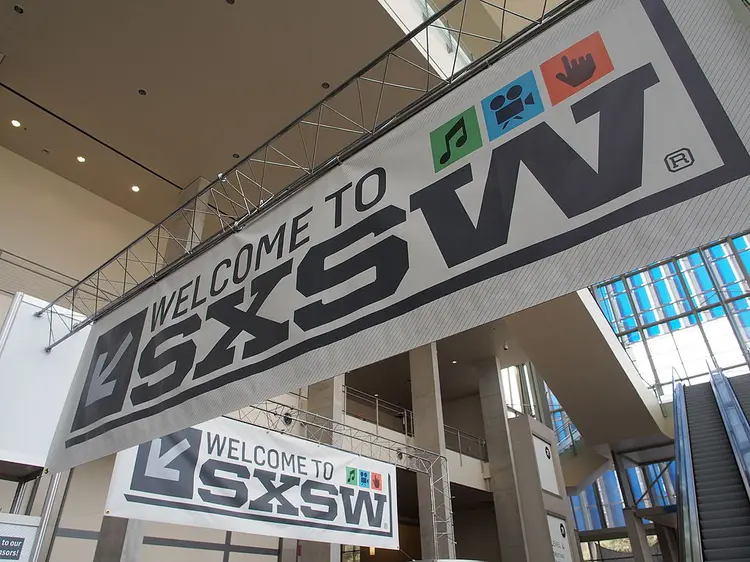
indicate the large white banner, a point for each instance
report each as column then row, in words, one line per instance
column 229, row 475
column 604, row 143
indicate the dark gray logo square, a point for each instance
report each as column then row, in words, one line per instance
column 166, row 466
column 109, row 372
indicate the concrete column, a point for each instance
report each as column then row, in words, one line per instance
column 429, row 433
column 287, row 550
column 326, row 399
column 120, row 540
column 637, row 536
column 543, row 496
column 503, row 481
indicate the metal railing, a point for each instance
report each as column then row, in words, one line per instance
column 735, row 422
column 567, row 435
column 386, row 92
column 372, row 408
column 465, row 444
column 521, row 410
column 386, row 415
column 687, row 502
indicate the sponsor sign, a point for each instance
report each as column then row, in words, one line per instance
column 228, row 475
column 583, row 154
column 11, row 547
column 17, row 536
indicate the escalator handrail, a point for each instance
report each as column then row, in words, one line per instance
column 735, row 422
column 687, row 500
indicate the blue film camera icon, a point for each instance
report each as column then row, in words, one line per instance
column 513, row 104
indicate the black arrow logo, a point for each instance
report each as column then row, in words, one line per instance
column 167, row 466
column 109, row 372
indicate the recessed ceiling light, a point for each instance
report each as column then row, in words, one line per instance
column 15, row 123
column 325, row 85
column 81, row 159
column 142, row 92
column 135, row 189
column 454, row 361
column 18, row 9
column 235, row 155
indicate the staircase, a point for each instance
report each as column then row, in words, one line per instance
column 723, row 505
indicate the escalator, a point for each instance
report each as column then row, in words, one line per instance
column 741, row 387
column 714, row 506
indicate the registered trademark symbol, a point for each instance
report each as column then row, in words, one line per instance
column 679, row 160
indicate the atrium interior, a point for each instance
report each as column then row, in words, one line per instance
column 516, row 327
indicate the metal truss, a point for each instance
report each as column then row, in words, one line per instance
column 319, row 429
column 451, row 45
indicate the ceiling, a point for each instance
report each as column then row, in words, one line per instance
column 220, row 79
column 390, row 378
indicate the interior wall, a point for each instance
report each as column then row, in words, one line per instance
column 7, row 491
column 76, row 536
column 476, row 534
column 409, row 543
column 52, row 221
column 465, row 414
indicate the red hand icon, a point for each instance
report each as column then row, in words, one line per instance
column 577, row 72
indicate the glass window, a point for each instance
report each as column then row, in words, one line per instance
column 725, row 348
column 684, row 316
column 512, row 388
column 350, row 553
column 726, row 271
column 609, row 490
column 575, row 502
column 592, row 508
column 741, row 311
column 530, row 397
column 700, row 288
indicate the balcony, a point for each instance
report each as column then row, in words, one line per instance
column 392, row 419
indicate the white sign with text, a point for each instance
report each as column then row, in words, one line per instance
column 546, row 465
column 17, row 536
column 560, row 536
column 229, row 475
